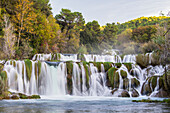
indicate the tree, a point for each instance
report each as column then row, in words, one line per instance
column 143, row 34
column 70, row 23
column 163, row 42
column 9, row 38
column 24, row 19
column 110, row 32
column 42, row 6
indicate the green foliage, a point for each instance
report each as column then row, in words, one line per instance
column 142, row 21
column 143, row 34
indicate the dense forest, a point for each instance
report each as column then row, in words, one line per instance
column 28, row 27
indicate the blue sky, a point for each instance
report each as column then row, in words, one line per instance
column 108, row 11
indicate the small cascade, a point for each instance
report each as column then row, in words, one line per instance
column 129, row 59
column 103, row 58
column 68, row 57
column 76, row 80
column 97, row 82
column 156, row 88
column 84, row 88
column 42, row 57
column 58, row 79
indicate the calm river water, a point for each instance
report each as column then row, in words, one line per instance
column 73, row 104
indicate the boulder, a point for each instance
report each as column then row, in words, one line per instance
column 14, row 97
column 124, row 94
column 135, row 93
column 135, row 83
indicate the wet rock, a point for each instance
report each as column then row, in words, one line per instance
column 14, row 97
column 124, row 94
column 125, row 83
column 34, row 97
column 114, row 90
column 123, row 74
column 22, row 96
column 113, row 78
column 162, row 93
column 135, row 83
column 128, row 66
column 146, row 90
column 135, row 93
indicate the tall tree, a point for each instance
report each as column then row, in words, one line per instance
column 24, row 18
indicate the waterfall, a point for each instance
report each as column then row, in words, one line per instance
column 42, row 77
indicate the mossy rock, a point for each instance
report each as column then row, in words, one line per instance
column 87, row 74
column 154, row 82
column 118, row 65
column 161, row 82
column 58, row 56
column 15, row 97
column 125, row 83
column 107, row 65
column 22, row 96
column 146, row 90
column 135, row 83
column 135, row 93
column 113, row 77
column 153, row 101
column 34, row 97
column 28, row 65
column 98, row 65
column 123, row 74
column 14, row 63
column 69, row 65
column 3, row 75
column 128, row 66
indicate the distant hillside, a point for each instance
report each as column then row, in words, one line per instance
column 142, row 21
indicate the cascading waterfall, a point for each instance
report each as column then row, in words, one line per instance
column 90, row 79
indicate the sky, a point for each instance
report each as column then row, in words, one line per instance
column 108, row 11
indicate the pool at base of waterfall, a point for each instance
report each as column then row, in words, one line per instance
column 82, row 104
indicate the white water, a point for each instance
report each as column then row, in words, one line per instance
column 53, row 79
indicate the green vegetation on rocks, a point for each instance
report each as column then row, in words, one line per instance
column 135, row 83
column 113, row 77
column 69, row 65
column 98, row 65
column 128, row 66
column 107, row 65
column 125, row 83
column 28, row 65
column 87, row 73
column 123, row 74
column 153, row 101
column 118, row 65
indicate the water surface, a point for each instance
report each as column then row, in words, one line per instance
column 75, row 104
